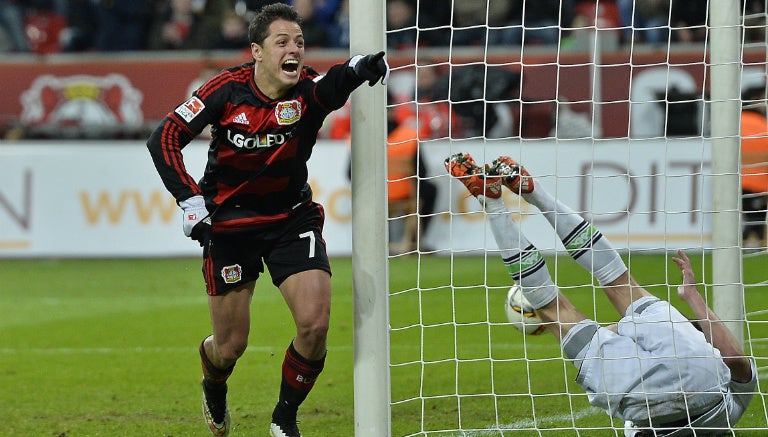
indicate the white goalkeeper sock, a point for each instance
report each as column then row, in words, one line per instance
column 587, row 245
column 524, row 262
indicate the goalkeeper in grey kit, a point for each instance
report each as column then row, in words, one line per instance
column 253, row 206
column 653, row 369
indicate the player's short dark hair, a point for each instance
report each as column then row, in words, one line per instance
column 259, row 27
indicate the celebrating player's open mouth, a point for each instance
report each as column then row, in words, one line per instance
column 291, row 67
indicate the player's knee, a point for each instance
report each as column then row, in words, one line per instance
column 313, row 331
column 233, row 349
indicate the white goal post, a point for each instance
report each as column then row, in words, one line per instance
column 725, row 68
column 717, row 231
column 369, row 232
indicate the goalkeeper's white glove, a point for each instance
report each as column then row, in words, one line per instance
column 196, row 221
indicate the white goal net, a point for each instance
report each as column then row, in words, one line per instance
column 629, row 113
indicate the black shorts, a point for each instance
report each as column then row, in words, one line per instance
column 234, row 258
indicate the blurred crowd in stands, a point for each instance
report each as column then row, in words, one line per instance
column 50, row 26
column 482, row 103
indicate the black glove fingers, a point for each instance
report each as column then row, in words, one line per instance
column 371, row 68
column 375, row 59
column 379, row 65
column 201, row 233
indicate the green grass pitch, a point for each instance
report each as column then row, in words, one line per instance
column 109, row 348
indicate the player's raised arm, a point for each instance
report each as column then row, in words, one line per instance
column 337, row 84
column 714, row 329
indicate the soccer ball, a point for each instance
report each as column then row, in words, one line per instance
column 520, row 313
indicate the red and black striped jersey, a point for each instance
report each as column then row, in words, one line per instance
column 257, row 159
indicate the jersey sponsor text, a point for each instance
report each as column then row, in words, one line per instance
column 257, row 141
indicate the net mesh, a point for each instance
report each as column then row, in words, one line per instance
column 608, row 106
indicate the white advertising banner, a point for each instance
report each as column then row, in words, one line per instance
column 105, row 199
column 642, row 194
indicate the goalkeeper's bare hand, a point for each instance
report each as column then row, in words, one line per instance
column 688, row 289
column 371, row 68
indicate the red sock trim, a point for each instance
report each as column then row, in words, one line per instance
column 299, row 372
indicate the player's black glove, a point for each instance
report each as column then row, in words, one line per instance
column 201, row 232
column 371, row 68
column 196, row 221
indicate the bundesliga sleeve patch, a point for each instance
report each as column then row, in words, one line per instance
column 190, row 109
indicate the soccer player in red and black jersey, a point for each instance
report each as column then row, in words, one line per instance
column 253, row 205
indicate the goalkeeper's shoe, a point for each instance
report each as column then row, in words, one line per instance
column 513, row 175
column 284, row 429
column 463, row 167
column 215, row 410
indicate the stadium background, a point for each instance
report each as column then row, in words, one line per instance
column 70, row 103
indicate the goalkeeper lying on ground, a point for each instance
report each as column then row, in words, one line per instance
column 653, row 369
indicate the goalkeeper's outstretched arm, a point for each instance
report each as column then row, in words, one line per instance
column 714, row 329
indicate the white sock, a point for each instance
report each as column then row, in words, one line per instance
column 524, row 262
column 585, row 243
